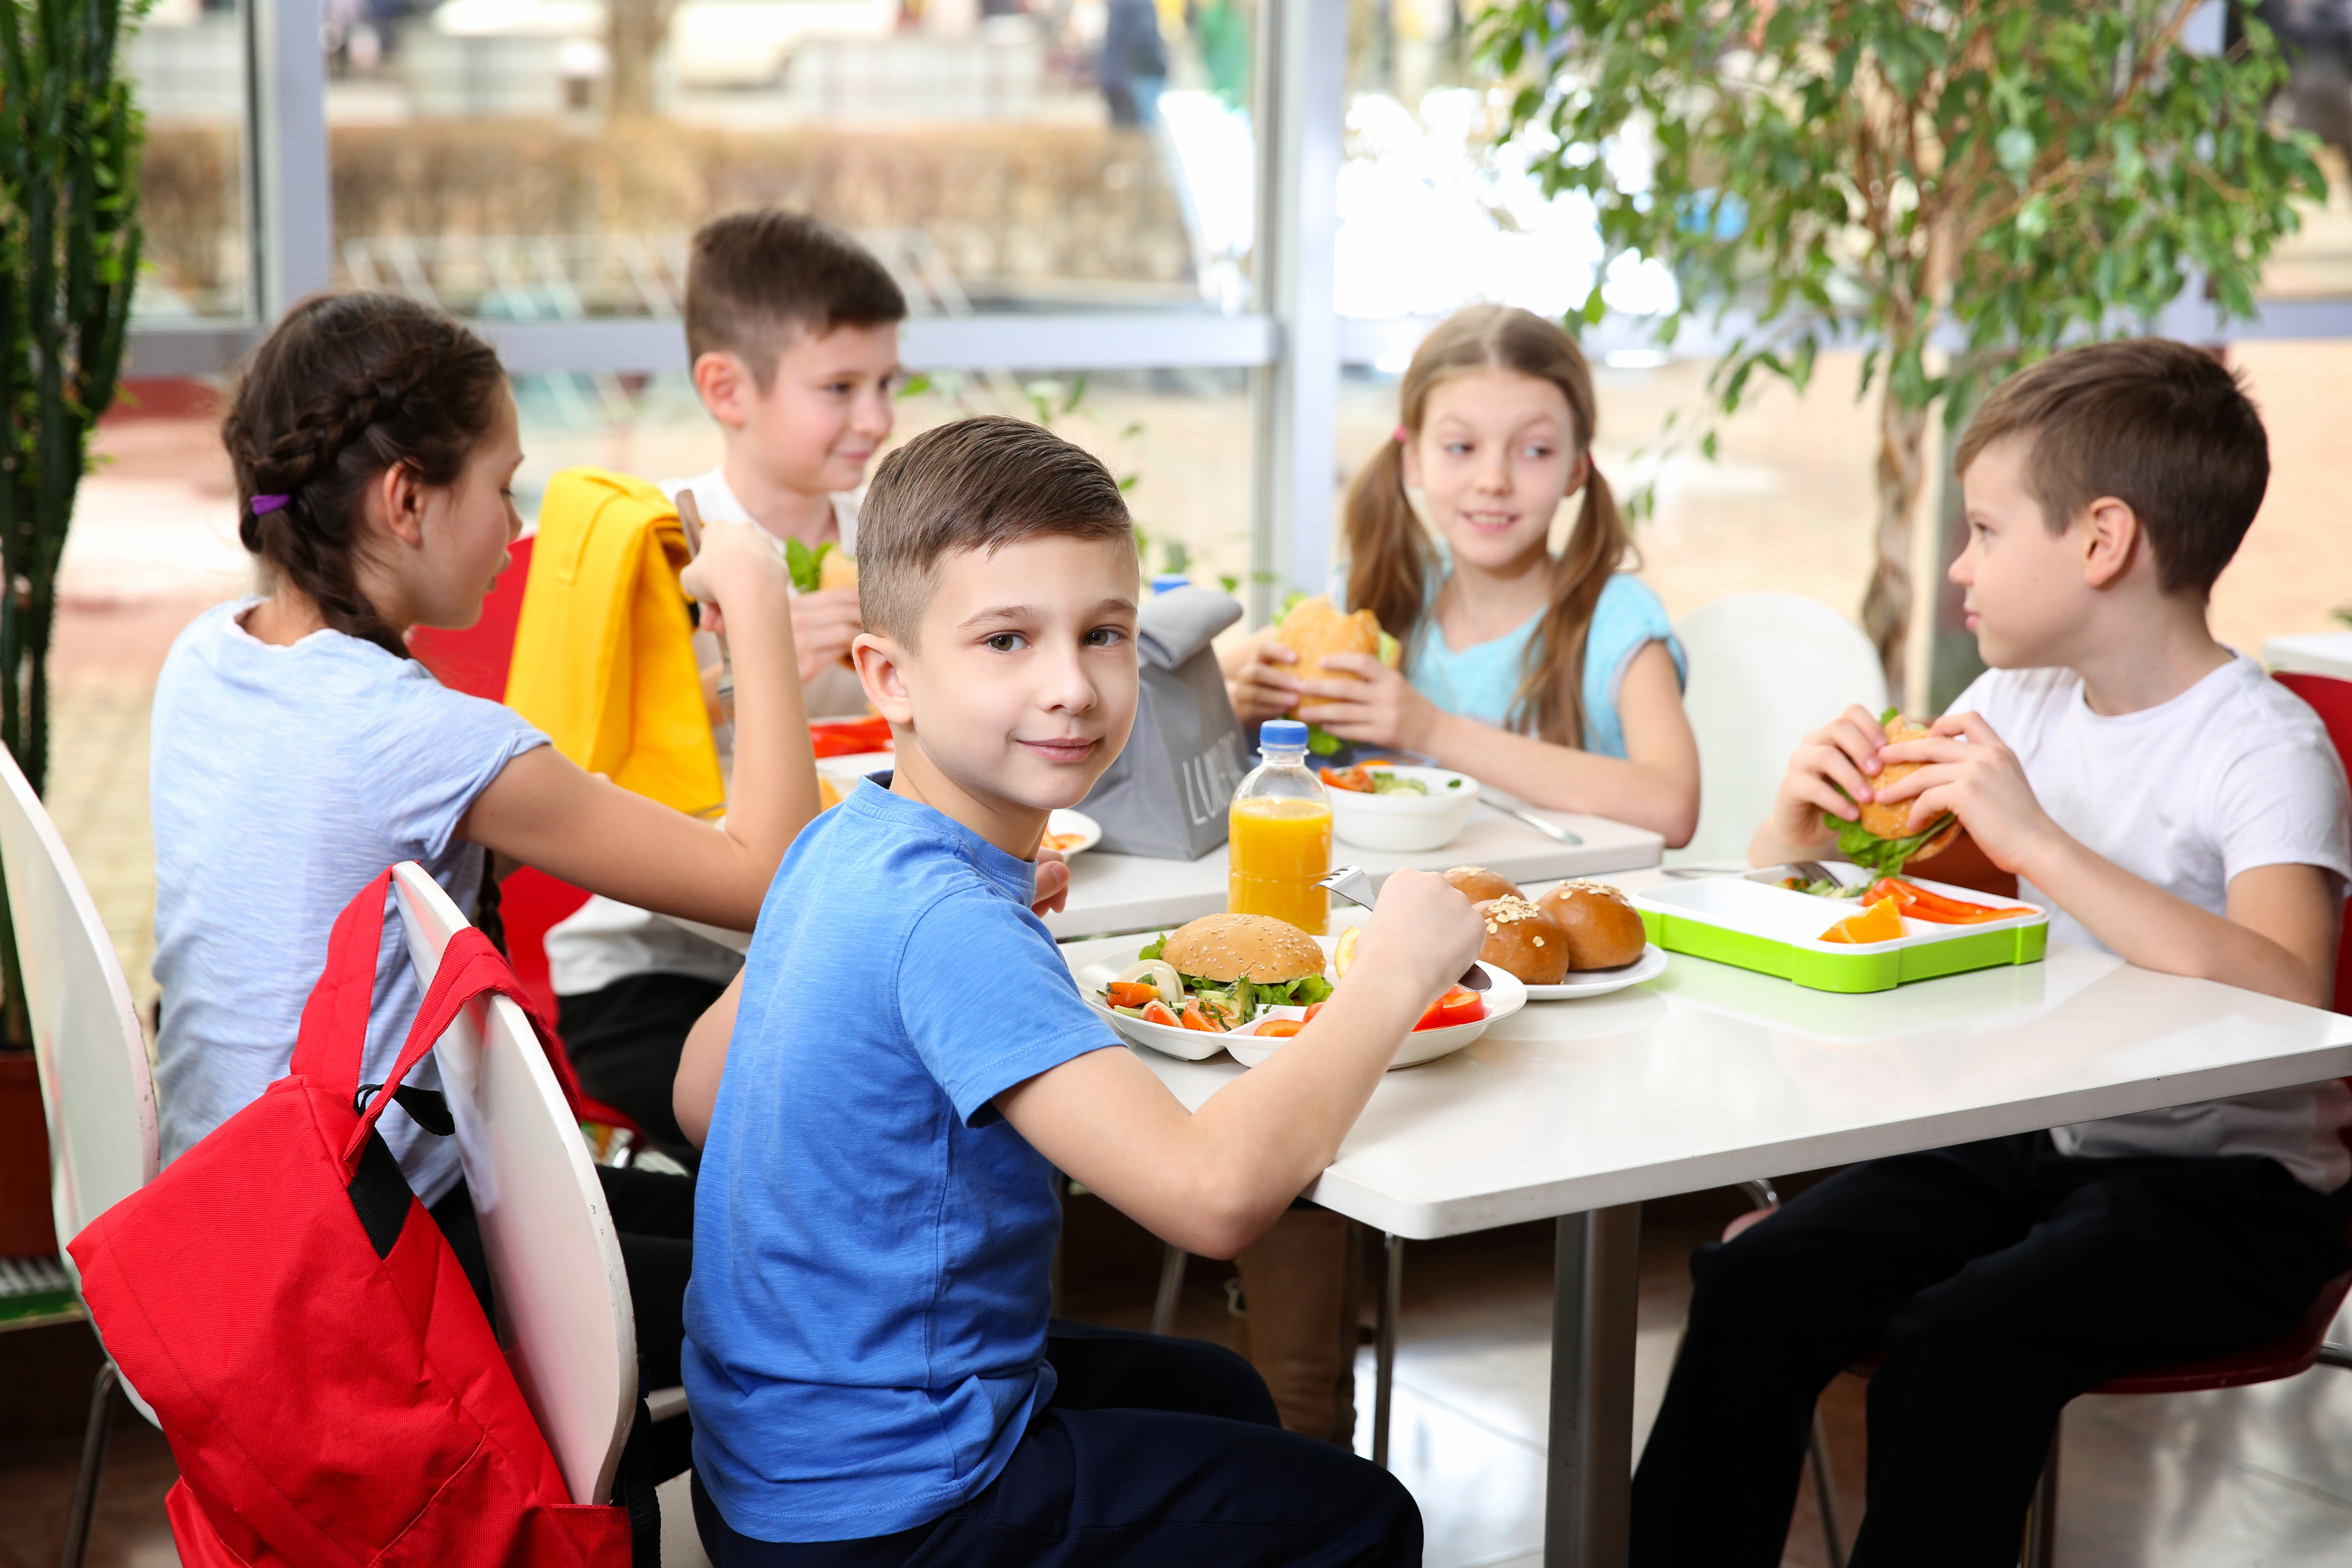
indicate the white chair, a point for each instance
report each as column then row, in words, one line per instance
column 98, row 1092
column 564, row 1317
column 1764, row 669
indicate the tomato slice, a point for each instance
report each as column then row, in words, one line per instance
column 1355, row 779
column 1312, row 1008
column 1280, row 1028
column 1157, row 1013
column 1201, row 1022
column 1131, row 993
column 1460, row 1004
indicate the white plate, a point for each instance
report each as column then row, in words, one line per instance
column 1600, row 982
column 1065, row 822
column 1505, row 997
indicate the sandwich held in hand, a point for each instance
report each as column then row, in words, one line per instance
column 1220, row 972
column 1314, row 630
column 1882, row 839
column 827, row 566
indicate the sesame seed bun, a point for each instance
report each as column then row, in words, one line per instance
column 1603, row 927
column 1478, row 884
column 836, row 571
column 1313, row 630
column 1234, row 947
column 1523, row 940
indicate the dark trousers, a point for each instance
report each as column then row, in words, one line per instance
column 654, row 1216
column 625, row 1042
column 1153, row 1453
column 2001, row 1279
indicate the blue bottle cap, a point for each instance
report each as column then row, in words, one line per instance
column 1288, row 733
column 1169, row 579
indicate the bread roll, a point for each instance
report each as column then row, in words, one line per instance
column 1524, row 940
column 1478, row 884
column 1893, row 821
column 837, row 571
column 1603, row 930
column 1313, row 629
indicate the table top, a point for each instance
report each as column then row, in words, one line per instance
column 2315, row 653
column 1710, row 1075
column 1131, row 892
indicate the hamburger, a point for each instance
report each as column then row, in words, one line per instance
column 1235, row 966
column 1314, row 630
column 1881, row 840
column 1602, row 929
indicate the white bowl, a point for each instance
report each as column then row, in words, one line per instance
column 1405, row 823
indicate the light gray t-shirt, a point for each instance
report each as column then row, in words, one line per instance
column 282, row 780
column 2235, row 772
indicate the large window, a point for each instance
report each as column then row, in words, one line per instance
column 187, row 62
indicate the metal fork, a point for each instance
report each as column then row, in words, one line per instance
column 1350, row 883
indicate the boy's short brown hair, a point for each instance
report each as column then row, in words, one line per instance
column 2161, row 426
column 755, row 277
column 976, row 484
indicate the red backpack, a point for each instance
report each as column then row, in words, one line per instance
column 326, row 1376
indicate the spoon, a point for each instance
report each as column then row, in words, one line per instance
column 1350, row 883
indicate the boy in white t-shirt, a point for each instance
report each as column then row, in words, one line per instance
column 793, row 327
column 2175, row 807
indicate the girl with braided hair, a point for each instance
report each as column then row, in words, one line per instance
column 297, row 750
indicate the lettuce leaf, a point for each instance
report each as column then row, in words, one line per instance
column 806, row 565
column 1883, row 856
column 1321, row 742
column 1157, row 947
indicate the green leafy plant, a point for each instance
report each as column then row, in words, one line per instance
column 2001, row 176
column 69, row 138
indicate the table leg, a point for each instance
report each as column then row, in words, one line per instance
column 1596, row 1280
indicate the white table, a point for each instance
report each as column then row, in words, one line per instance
column 2314, row 653
column 1131, row 892
column 1709, row 1075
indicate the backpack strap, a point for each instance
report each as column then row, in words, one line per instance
column 332, row 1044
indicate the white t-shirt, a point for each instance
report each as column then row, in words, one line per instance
column 281, row 779
column 2234, row 773
column 606, row 940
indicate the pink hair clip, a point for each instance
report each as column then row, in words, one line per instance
column 264, row 505
column 1401, row 436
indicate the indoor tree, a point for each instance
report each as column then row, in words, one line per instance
column 69, row 138
column 1956, row 188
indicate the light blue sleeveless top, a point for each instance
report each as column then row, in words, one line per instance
column 1481, row 681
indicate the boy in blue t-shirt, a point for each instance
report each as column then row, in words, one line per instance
column 872, row 1373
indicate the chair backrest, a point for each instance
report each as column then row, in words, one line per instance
column 564, row 1315
column 97, row 1088
column 1764, row 669
column 2332, row 699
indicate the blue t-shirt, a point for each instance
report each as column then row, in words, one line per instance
column 1482, row 682
column 283, row 779
column 866, row 1325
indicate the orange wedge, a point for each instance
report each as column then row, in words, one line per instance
column 1882, row 921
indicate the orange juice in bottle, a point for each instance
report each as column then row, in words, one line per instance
column 1281, row 843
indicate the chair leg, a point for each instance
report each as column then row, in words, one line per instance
column 1171, row 1286
column 1825, row 1495
column 94, row 1439
column 1384, row 1347
column 1761, row 1193
column 2041, row 1522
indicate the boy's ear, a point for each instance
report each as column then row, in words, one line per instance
column 879, row 659
column 725, row 384
column 2111, row 540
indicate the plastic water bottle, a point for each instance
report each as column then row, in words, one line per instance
column 1281, row 845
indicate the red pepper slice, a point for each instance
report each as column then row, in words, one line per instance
column 1460, row 1004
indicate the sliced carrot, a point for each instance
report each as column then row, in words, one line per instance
column 1131, row 993
column 1280, row 1028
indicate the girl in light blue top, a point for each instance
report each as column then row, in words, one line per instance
column 1554, row 677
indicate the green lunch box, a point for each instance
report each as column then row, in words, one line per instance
column 1777, row 930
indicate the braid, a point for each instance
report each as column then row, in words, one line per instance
column 348, row 387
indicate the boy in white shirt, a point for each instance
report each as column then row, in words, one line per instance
column 2175, row 807
column 793, row 327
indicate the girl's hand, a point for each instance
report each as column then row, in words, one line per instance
column 824, row 625
column 1830, row 770
column 1972, row 774
column 1381, row 709
column 735, row 566
column 1256, row 681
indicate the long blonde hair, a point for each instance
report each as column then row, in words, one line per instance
column 1391, row 558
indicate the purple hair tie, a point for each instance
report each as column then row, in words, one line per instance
column 264, row 505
